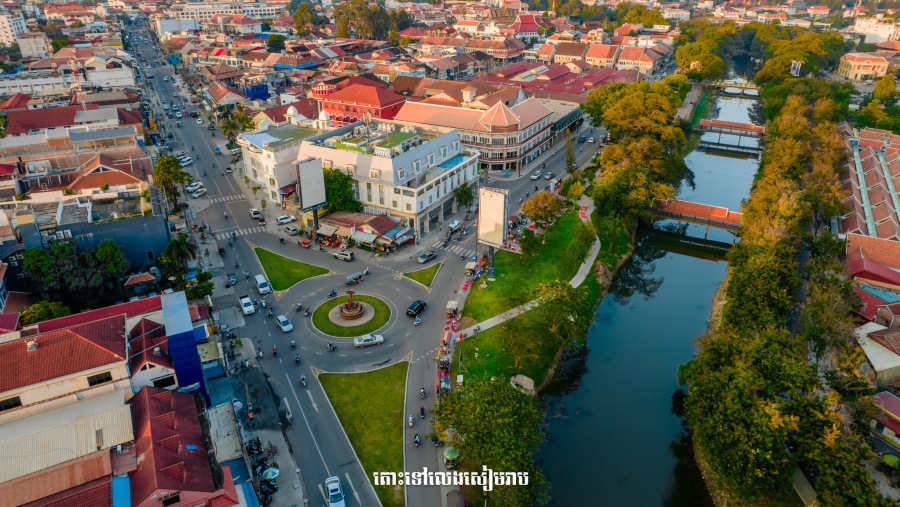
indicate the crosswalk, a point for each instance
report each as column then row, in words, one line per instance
column 226, row 198
column 240, row 232
column 458, row 250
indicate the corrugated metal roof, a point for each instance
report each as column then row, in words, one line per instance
column 176, row 315
column 34, row 443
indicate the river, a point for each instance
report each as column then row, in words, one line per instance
column 616, row 438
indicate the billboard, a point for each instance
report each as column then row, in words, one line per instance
column 311, row 187
column 492, row 216
column 795, row 68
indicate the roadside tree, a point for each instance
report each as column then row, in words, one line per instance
column 529, row 243
column 465, row 195
column 168, row 174
column 885, row 88
column 542, row 208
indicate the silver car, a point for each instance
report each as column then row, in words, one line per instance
column 284, row 324
column 369, row 339
column 335, row 494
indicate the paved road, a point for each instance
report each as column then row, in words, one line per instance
column 309, row 424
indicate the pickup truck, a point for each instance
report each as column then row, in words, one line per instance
column 247, row 305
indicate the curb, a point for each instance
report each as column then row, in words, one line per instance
column 427, row 287
column 312, row 323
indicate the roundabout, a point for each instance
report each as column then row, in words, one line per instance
column 342, row 318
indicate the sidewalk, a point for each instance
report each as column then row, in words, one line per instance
column 686, row 109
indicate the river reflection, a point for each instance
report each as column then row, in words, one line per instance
column 616, row 438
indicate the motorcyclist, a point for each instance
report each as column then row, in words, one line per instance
column 417, row 321
column 226, row 215
column 303, row 380
column 332, row 293
column 274, row 350
column 416, row 440
column 422, row 412
column 293, row 345
column 410, row 420
column 422, row 392
column 297, row 358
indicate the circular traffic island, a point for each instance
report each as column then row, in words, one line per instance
column 344, row 318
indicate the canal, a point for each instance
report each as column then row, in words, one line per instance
column 615, row 436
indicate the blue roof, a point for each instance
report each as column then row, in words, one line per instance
column 250, row 495
column 888, row 296
column 121, row 491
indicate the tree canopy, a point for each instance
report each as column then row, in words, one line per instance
column 340, row 191
column 168, row 174
column 41, row 311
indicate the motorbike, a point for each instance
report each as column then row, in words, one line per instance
column 275, row 351
column 293, row 345
column 247, row 275
column 417, row 321
column 270, row 484
column 259, row 352
column 422, row 412
column 298, row 308
column 332, row 347
column 366, row 272
column 306, row 313
column 302, row 381
column 297, row 359
column 229, row 242
column 416, row 440
column 436, row 441
column 422, row 393
column 269, row 314
column 332, row 294
column 411, row 422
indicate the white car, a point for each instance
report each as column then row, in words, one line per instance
column 247, row 305
column 254, row 213
column 186, row 161
column 591, row 140
column 200, row 192
column 165, row 107
column 335, row 494
column 291, row 230
column 284, row 324
column 369, row 339
column 536, row 175
column 179, row 115
column 285, row 219
column 199, row 121
column 193, row 186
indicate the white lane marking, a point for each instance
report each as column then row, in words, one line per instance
column 349, row 483
column 290, row 415
column 311, row 401
column 322, row 490
column 308, row 427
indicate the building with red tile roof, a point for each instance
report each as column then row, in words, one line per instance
column 352, row 103
column 225, row 96
column 173, row 468
column 882, row 251
column 862, row 66
column 15, row 102
column 127, row 310
column 873, row 185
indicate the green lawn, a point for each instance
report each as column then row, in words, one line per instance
column 370, row 407
column 282, row 272
column 494, row 359
column 323, row 324
column 424, row 276
column 516, row 275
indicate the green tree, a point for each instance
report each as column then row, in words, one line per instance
column 178, row 252
column 230, row 128
column 168, row 174
column 340, row 192
column 276, row 43
column 529, row 243
column 465, row 195
column 200, row 287
column 575, row 190
column 499, row 427
column 571, row 161
column 59, row 44
column 304, row 18
column 886, row 88
column 41, row 311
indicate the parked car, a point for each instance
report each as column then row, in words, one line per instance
column 200, row 192
column 254, row 213
column 284, row 324
column 231, row 277
column 186, row 161
column 415, row 308
column 193, row 186
column 369, row 339
column 291, row 230
column 247, row 305
column 427, row 256
column 285, row 219
column 344, row 255
column 536, row 175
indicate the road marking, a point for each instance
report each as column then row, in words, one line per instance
column 349, row 483
column 313, row 402
column 322, row 491
column 288, row 408
column 317, row 371
column 308, row 427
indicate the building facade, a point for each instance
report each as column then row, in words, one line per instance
column 11, row 26
column 862, row 66
column 409, row 172
column 506, row 138
column 34, row 45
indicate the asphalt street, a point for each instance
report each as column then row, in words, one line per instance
column 310, row 426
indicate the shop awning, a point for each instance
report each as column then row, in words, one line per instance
column 363, row 237
column 288, row 189
column 383, row 241
column 327, row 230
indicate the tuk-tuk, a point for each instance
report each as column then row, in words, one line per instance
column 470, row 269
column 178, row 124
column 354, row 278
column 222, row 250
column 452, row 306
column 304, row 242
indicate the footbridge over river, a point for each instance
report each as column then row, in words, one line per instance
column 735, row 131
column 697, row 213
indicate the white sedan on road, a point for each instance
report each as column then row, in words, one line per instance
column 284, row 324
column 369, row 339
column 199, row 121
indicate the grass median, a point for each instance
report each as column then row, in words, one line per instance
column 282, row 272
column 370, row 408
column 324, row 324
column 424, row 276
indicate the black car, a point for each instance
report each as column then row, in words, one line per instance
column 582, row 139
column 262, row 220
column 415, row 308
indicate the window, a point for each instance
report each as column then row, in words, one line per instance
column 163, row 382
column 351, row 169
column 170, row 499
column 408, row 207
column 98, row 438
column 443, row 152
column 100, row 378
column 416, row 165
column 394, row 204
column 16, row 402
column 430, row 159
column 396, row 190
column 374, row 174
column 401, row 174
column 456, row 144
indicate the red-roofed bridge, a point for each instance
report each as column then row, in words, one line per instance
column 732, row 127
column 696, row 213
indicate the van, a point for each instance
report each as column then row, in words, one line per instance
column 262, row 285
column 235, row 151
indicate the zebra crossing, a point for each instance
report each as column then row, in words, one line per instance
column 240, row 232
column 226, row 198
column 458, row 250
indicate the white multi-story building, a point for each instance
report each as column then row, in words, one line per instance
column 10, row 27
column 34, row 45
column 677, row 14
column 877, row 29
column 409, row 172
column 202, row 11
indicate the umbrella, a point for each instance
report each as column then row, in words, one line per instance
column 451, row 454
column 270, row 473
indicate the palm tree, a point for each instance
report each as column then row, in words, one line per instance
column 242, row 117
column 177, row 253
column 230, row 128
